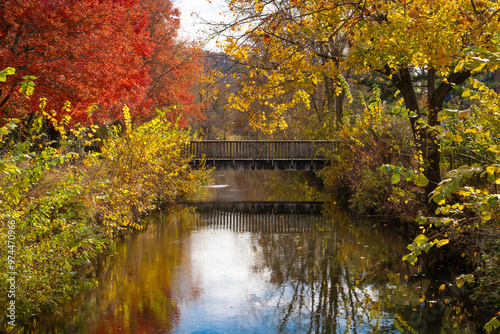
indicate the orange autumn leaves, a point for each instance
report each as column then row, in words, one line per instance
column 97, row 54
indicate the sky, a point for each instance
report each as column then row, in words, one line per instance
column 191, row 27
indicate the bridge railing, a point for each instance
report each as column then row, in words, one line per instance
column 261, row 150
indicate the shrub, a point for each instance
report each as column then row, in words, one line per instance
column 139, row 169
column 371, row 193
column 372, row 138
column 42, row 238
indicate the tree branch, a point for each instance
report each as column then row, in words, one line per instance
column 437, row 98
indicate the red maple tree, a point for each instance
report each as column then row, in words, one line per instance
column 101, row 53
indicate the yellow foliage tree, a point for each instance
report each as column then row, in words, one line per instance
column 291, row 46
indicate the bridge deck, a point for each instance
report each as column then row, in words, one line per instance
column 262, row 155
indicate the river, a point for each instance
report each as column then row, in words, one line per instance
column 258, row 252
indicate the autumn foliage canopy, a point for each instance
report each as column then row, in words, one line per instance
column 96, row 54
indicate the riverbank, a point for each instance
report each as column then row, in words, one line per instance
column 61, row 205
column 435, row 239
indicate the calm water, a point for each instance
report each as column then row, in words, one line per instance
column 254, row 252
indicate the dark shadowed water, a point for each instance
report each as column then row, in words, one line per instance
column 257, row 252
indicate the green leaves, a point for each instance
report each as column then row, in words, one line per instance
column 421, row 244
column 421, row 180
column 420, row 240
column 8, row 128
column 411, row 258
column 442, row 242
column 55, row 220
column 148, row 168
column 452, row 182
column 418, row 246
column 402, row 173
column 17, row 154
column 395, row 178
column 494, row 172
column 493, row 324
column 27, row 85
column 46, row 228
column 462, row 279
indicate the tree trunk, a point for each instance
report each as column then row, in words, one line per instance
column 339, row 99
column 334, row 102
column 425, row 137
column 432, row 154
column 428, row 148
column 436, row 98
column 426, row 141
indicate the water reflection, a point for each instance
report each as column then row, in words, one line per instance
column 261, row 186
column 261, row 267
column 259, row 216
column 136, row 286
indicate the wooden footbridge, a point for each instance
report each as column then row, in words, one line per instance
column 285, row 155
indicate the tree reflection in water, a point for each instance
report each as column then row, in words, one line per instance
column 138, row 287
column 344, row 278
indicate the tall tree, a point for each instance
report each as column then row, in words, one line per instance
column 98, row 54
column 86, row 52
column 392, row 37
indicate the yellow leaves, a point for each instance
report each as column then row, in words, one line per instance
column 90, row 110
column 428, row 34
column 67, row 107
column 457, row 138
column 460, row 66
column 5, row 72
column 493, row 149
column 127, row 118
column 472, row 130
column 492, row 325
column 259, row 7
column 462, row 279
column 144, row 166
column 301, row 96
column 480, row 67
column 458, row 206
column 442, row 242
column 494, row 172
column 421, row 239
column 421, row 180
